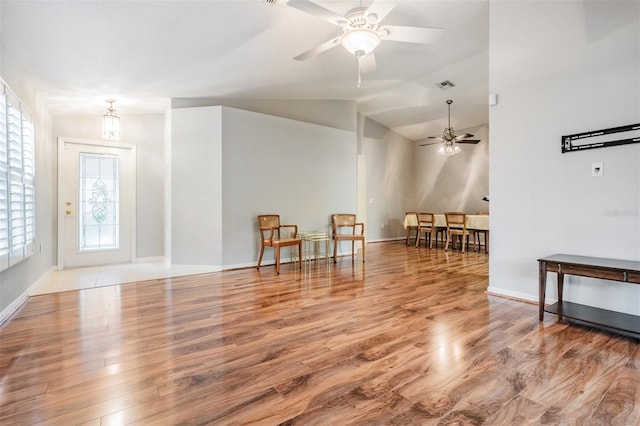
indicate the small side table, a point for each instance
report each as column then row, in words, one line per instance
column 311, row 246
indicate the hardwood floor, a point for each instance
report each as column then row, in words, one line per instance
column 409, row 338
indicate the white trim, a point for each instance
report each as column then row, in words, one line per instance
column 197, row 269
column 382, row 240
column 151, row 259
column 14, row 306
column 108, row 144
column 518, row 295
column 20, row 300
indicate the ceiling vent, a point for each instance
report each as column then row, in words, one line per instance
column 446, row 85
column 272, row 1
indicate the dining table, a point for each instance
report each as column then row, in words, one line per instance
column 478, row 222
column 475, row 222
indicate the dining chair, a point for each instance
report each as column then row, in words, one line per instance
column 411, row 217
column 427, row 227
column 484, row 233
column 457, row 227
column 271, row 235
column 344, row 228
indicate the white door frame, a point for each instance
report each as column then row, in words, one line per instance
column 61, row 207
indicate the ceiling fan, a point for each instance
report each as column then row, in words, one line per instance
column 449, row 141
column 361, row 33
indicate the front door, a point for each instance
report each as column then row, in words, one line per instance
column 96, row 200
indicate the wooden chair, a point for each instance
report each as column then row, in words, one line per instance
column 484, row 233
column 412, row 228
column 271, row 236
column 457, row 227
column 426, row 226
column 343, row 228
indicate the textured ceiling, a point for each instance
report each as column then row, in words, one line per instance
column 142, row 53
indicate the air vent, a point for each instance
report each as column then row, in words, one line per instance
column 271, row 1
column 446, row 85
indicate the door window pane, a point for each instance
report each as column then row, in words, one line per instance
column 99, row 202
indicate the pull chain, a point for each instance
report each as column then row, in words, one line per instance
column 359, row 55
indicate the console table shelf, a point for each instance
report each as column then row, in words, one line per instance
column 596, row 316
column 594, row 267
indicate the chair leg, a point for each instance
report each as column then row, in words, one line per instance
column 446, row 245
column 363, row 252
column 260, row 257
column 353, row 248
column 278, row 260
column 335, row 250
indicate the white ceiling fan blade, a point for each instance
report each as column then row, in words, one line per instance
column 318, row 49
column 380, row 9
column 319, row 11
column 420, row 35
column 368, row 63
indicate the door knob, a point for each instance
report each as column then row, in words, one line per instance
column 68, row 212
column 68, row 203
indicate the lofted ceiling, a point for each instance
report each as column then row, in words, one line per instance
column 145, row 52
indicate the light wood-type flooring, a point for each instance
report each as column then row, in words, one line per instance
column 409, row 338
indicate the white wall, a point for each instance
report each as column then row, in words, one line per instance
column 455, row 183
column 388, row 160
column 336, row 113
column 261, row 164
column 569, row 67
column 146, row 132
column 196, row 186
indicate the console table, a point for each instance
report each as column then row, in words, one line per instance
column 595, row 267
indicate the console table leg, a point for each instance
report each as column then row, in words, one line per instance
column 542, row 277
column 560, row 289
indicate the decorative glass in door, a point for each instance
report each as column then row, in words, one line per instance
column 98, row 202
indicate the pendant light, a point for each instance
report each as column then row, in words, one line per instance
column 111, row 123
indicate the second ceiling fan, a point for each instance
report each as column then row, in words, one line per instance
column 361, row 33
column 449, row 141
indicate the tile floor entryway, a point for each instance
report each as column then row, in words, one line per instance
column 99, row 276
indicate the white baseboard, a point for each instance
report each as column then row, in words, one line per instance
column 526, row 297
column 382, row 240
column 150, row 259
column 198, row 269
column 20, row 300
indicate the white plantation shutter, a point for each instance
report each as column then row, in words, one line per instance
column 17, row 180
column 4, row 186
column 28, row 177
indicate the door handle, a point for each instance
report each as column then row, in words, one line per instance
column 68, row 212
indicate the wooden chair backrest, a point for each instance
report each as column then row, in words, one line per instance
column 456, row 220
column 426, row 219
column 343, row 221
column 269, row 221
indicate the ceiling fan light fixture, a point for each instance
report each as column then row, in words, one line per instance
column 360, row 41
column 448, row 148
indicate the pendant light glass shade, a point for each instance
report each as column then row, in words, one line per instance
column 448, row 148
column 111, row 123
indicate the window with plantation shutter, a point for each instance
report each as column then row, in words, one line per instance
column 17, row 180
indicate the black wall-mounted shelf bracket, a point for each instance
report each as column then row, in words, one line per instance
column 599, row 139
